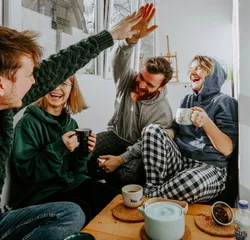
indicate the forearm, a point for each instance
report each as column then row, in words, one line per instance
column 58, row 67
column 220, row 141
column 132, row 152
column 121, row 61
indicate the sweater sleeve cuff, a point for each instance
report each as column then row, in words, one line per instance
column 104, row 40
column 127, row 156
column 124, row 45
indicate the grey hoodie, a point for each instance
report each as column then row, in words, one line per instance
column 131, row 117
column 221, row 108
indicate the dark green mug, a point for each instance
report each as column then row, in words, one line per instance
column 80, row 236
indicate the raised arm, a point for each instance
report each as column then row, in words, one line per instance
column 121, row 64
column 58, row 67
column 122, row 52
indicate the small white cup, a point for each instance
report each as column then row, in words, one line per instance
column 183, row 116
column 132, row 195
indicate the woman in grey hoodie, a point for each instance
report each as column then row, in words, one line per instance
column 189, row 162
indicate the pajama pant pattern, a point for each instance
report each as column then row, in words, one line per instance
column 170, row 174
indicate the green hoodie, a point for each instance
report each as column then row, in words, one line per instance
column 43, row 162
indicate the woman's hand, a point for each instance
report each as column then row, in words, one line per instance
column 91, row 142
column 70, row 140
column 199, row 117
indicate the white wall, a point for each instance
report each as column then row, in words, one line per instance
column 99, row 94
column 12, row 14
column 38, row 22
column 195, row 27
column 244, row 98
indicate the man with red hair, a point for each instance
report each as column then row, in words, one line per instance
column 22, row 81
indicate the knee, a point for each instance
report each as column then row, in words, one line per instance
column 131, row 171
column 76, row 216
column 153, row 130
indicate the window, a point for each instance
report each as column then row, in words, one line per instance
column 61, row 23
column 64, row 22
column 115, row 10
column 147, row 49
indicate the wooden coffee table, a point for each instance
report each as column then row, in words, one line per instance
column 105, row 227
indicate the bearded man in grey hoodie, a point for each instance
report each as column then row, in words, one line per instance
column 140, row 101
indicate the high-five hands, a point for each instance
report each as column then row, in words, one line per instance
column 147, row 13
column 123, row 29
column 199, row 117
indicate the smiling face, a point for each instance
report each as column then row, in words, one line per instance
column 12, row 91
column 146, row 85
column 197, row 75
column 56, row 100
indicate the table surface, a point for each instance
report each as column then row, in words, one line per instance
column 105, row 227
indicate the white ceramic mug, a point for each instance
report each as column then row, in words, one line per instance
column 183, row 116
column 132, row 195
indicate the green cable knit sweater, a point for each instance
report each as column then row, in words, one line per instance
column 51, row 73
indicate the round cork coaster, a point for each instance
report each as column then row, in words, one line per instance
column 125, row 214
column 205, row 223
column 187, row 234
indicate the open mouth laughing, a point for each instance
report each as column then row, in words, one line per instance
column 55, row 96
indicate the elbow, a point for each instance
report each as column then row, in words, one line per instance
column 227, row 148
column 226, row 154
column 227, row 151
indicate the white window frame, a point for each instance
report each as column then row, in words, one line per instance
column 1, row 12
column 107, row 74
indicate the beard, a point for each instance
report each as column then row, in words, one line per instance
column 13, row 100
column 136, row 97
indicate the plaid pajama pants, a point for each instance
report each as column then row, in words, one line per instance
column 170, row 174
column 108, row 143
